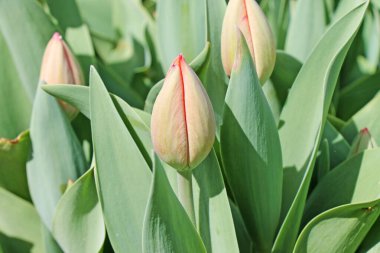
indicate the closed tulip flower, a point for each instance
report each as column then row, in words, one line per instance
column 59, row 66
column 363, row 141
column 247, row 16
column 183, row 123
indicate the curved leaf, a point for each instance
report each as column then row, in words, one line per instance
column 306, row 28
column 214, row 218
column 57, row 155
column 301, row 130
column 15, row 106
column 26, row 29
column 78, row 221
column 167, row 228
column 181, row 28
column 122, row 172
column 354, row 181
column 354, row 221
column 251, row 153
column 13, row 157
column 20, row 226
column 313, row 89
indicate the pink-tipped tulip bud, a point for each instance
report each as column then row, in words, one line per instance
column 246, row 16
column 59, row 66
column 183, row 123
column 363, row 141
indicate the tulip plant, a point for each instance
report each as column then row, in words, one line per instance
column 261, row 136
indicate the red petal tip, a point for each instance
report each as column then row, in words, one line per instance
column 57, row 36
column 364, row 131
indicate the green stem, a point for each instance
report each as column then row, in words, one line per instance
column 185, row 193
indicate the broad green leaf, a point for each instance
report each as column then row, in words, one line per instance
column 66, row 12
column 20, row 226
column 306, row 28
column 357, row 94
column 371, row 243
column 212, row 73
column 26, row 30
column 79, row 39
column 341, row 229
column 251, row 152
column 196, row 65
column 287, row 234
column 167, row 228
column 313, row 89
column 15, row 106
column 244, row 239
column 277, row 13
column 122, row 172
column 181, row 28
column 91, row 10
column 13, row 157
column 371, row 39
column 367, row 117
column 285, row 72
column 78, row 224
column 56, row 157
column 78, row 96
column 354, row 181
column 50, row 244
column 214, row 218
column 131, row 19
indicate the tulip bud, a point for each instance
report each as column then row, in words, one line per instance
column 247, row 16
column 59, row 66
column 183, row 123
column 362, row 142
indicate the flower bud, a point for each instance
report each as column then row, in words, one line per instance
column 183, row 123
column 247, row 16
column 59, row 66
column 363, row 141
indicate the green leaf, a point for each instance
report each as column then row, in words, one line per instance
column 338, row 146
column 306, row 27
column 57, row 155
column 341, row 229
column 244, row 240
column 91, row 10
column 251, row 153
column 15, row 106
column 167, row 228
column 367, row 117
column 122, row 172
column 181, row 28
column 50, row 245
column 278, row 13
column 26, row 36
column 301, row 130
column 285, row 72
column 13, row 157
column 66, row 12
column 19, row 225
column 371, row 243
column 78, row 221
column 357, row 94
column 215, row 223
column 354, row 181
column 212, row 73
column 78, row 96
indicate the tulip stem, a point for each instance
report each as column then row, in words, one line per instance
column 185, row 193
